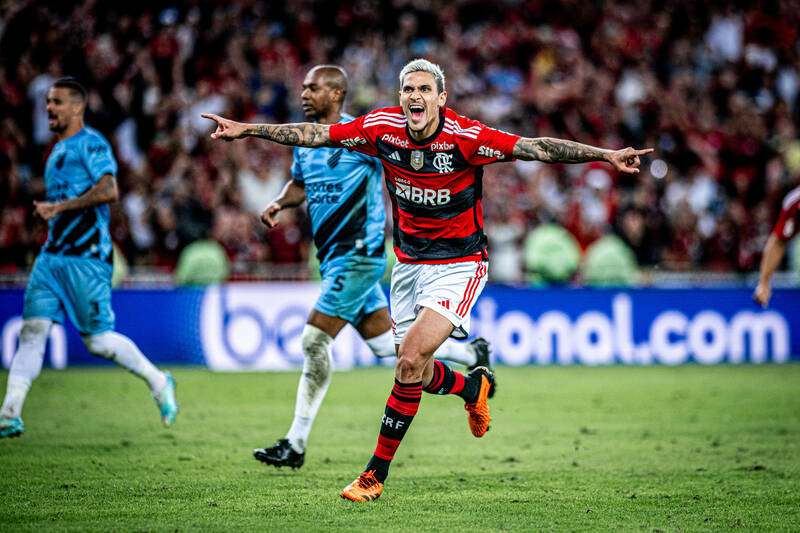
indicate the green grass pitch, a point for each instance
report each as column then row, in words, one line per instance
column 689, row 448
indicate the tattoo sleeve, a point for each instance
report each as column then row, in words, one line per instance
column 303, row 134
column 550, row 150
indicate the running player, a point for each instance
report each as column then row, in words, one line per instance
column 432, row 160
column 345, row 204
column 72, row 274
column 785, row 228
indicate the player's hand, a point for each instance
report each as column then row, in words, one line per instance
column 270, row 215
column 762, row 294
column 46, row 210
column 227, row 130
column 627, row 159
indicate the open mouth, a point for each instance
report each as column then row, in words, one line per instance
column 417, row 111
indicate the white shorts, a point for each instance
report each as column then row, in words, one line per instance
column 450, row 289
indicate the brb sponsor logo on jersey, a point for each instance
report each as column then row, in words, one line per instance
column 421, row 196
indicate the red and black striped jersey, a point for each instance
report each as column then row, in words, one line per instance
column 788, row 220
column 435, row 184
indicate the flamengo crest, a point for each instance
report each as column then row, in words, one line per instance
column 417, row 159
column 443, row 162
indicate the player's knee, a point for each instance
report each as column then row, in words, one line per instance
column 409, row 366
column 317, row 351
column 35, row 331
column 382, row 345
column 99, row 345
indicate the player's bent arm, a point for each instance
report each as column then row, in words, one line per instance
column 292, row 195
column 773, row 254
column 103, row 192
column 550, row 150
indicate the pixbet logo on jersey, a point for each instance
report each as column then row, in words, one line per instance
column 395, row 140
column 438, row 147
column 423, row 196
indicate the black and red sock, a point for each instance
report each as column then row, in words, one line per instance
column 447, row 381
column 401, row 407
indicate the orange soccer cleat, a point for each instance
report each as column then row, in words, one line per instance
column 365, row 488
column 479, row 411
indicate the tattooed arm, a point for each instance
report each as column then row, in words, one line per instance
column 303, row 134
column 549, row 150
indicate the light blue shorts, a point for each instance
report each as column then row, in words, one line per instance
column 351, row 287
column 79, row 287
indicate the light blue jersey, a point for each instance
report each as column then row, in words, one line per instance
column 72, row 275
column 343, row 190
column 75, row 165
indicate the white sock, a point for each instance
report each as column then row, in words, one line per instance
column 458, row 352
column 120, row 349
column 382, row 345
column 317, row 369
column 26, row 365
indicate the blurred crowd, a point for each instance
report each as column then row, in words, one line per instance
column 713, row 88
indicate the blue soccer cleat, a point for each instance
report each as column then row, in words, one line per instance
column 166, row 401
column 11, row 427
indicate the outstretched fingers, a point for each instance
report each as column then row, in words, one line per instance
column 630, row 160
column 221, row 124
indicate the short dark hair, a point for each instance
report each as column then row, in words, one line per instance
column 335, row 76
column 74, row 86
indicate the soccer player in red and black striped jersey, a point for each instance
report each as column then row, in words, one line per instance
column 786, row 227
column 432, row 160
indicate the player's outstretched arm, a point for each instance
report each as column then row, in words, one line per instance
column 773, row 253
column 550, row 150
column 292, row 195
column 103, row 192
column 302, row 134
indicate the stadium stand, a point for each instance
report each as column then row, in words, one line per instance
column 714, row 88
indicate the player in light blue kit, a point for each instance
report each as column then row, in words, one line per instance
column 72, row 274
column 345, row 204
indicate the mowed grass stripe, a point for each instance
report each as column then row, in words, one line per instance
column 689, row 448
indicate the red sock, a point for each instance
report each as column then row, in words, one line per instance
column 401, row 407
column 445, row 380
